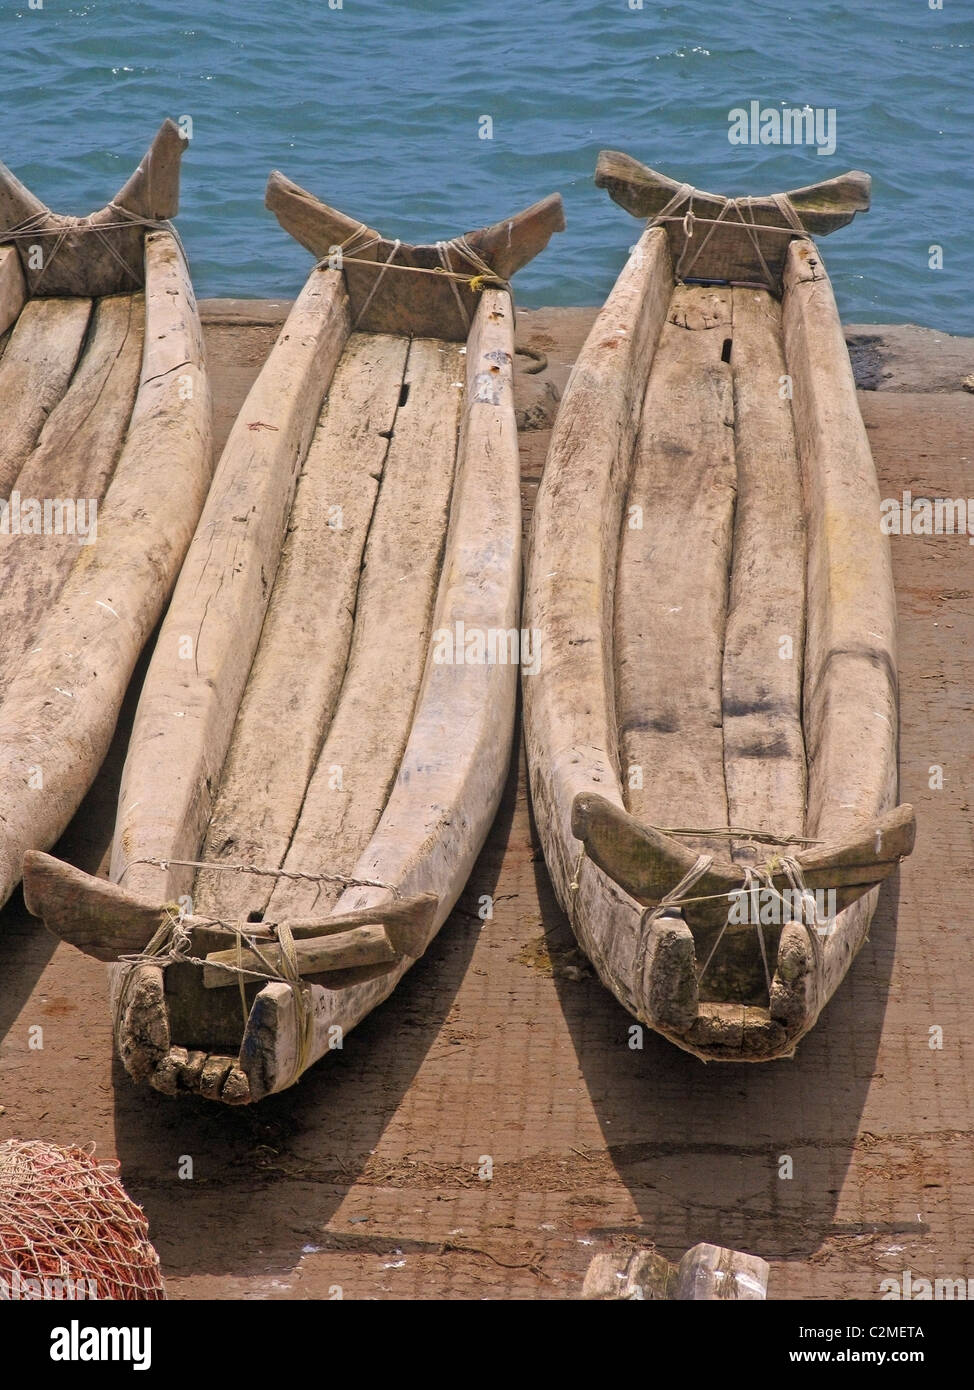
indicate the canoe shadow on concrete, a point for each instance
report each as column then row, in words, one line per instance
column 25, row 949
column 700, row 1146
column 26, row 946
column 266, row 1179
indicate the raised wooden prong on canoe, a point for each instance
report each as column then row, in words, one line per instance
column 644, row 192
column 426, row 304
column 369, row 937
column 408, row 923
column 96, row 916
column 732, row 254
column 855, row 861
column 103, row 253
column 105, row 921
column 794, row 990
column 509, row 244
column 153, row 189
column 705, row 1273
column 319, row 228
column 669, row 983
column 649, row 864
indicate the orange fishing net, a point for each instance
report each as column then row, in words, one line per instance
column 69, row 1230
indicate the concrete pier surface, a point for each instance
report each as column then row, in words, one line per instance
column 490, row 1129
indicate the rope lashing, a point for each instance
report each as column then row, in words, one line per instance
column 731, row 206
column 362, row 239
column 443, row 254
column 796, row 879
column 64, row 227
column 171, row 942
column 680, row 896
column 477, row 283
column 37, row 225
column 789, row 212
column 170, row 945
column 669, row 900
column 301, row 994
column 378, row 281
column 749, row 878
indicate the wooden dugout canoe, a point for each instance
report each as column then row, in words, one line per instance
column 104, row 465
column 297, row 718
column 717, row 621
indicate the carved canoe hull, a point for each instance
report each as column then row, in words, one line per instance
column 325, row 729
column 105, row 458
column 717, row 614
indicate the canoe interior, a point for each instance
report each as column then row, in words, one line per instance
column 105, row 458
column 69, row 374
column 327, row 710
column 709, row 613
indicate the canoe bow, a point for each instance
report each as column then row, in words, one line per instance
column 102, row 253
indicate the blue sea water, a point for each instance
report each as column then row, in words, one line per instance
column 376, row 106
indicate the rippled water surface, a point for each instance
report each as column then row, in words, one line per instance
column 376, row 107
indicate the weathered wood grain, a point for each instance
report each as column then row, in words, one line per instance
column 448, row 510
column 850, row 689
column 647, row 863
column 764, row 642
column 669, row 617
column 138, row 1002
column 453, row 770
column 98, row 918
column 644, row 192
column 207, row 642
column 719, row 246
column 13, row 290
column 70, row 467
column 363, row 748
column 425, row 305
column 60, row 710
column 628, row 863
column 367, row 945
column 569, row 707
column 37, row 365
column 102, row 253
column 300, row 664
